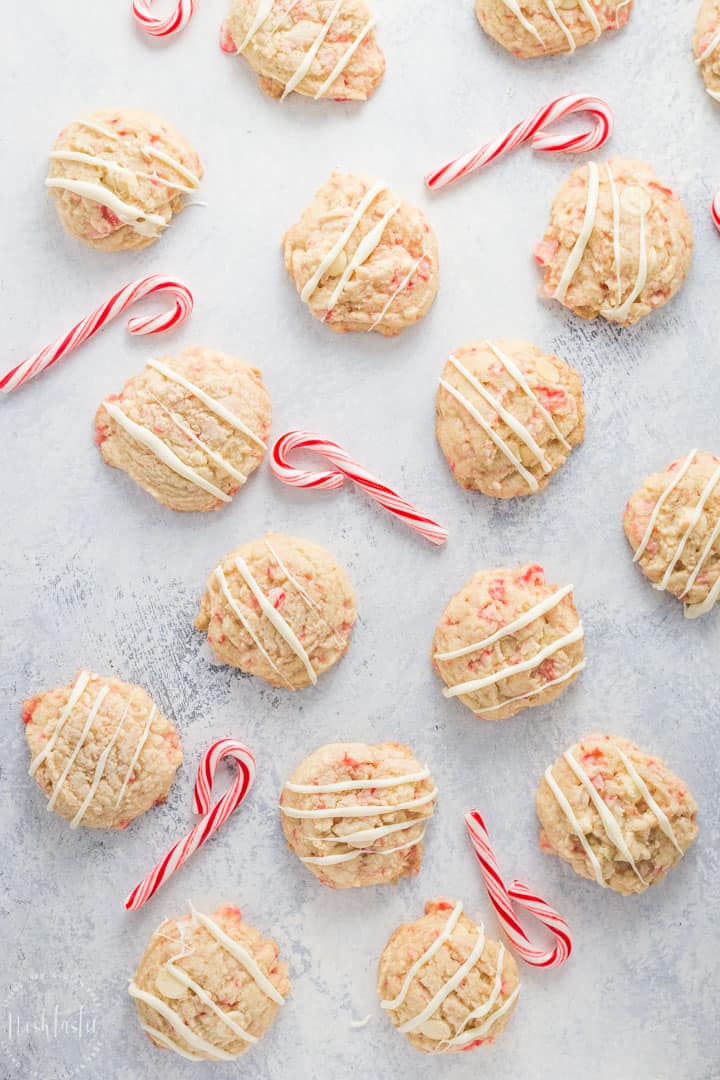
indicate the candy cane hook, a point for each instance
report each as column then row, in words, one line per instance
column 123, row 299
column 502, row 897
column 716, row 210
column 172, row 23
column 533, row 130
column 345, row 466
column 214, row 818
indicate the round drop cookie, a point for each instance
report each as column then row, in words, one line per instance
column 119, row 176
column 208, row 986
column 509, row 641
column 673, row 525
column 706, row 45
column 320, row 49
column 357, row 814
column 280, row 608
column 190, row 429
column 444, row 984
column 101, row 750
column 617, row 815
column 619, row 243
column 529, row 28
column 508, row 416
column 363, row 259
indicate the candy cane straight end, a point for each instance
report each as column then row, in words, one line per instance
column 168, row 26
column 502, row 898
column 534, row 130
column 345, row 466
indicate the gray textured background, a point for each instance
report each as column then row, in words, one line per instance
column 95, row 574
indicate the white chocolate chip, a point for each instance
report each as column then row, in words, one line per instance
column 635, row 200
column 168, row 985
column 338, row 265
column 437, row 1030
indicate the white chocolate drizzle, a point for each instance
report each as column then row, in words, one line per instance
column 365, row 249
column 178, row 1025
column 359, row 785
column 616, row 232
column 340, row 244
column 76, row 693
column 275, row 618
column 463, row 1037
column 100, row 768
column 346, row 57
column 454, row 981
column 237, row 612
column 360, row 810
column 514, row 6
column 212, row 454
column 400, row 289
column 672, row 484
column 561, row 25
column 640, row 280
column 694, row 519
column 516, row 669
column 642, row 787
column 575, row 257
column 303, row 594
column 312, row 52
column 236, row 949
column 527, row 617
column 145, row 224
column 539, row 690
column 437, row 944
column 709, row 49
column 102, row 694
column 369, row 836
column 113, row 167
column 210, row 402
column 576, row 828
column 168, row 457
column 333, row 860
column 515, row 373
column 136, row 756
column 261, row 16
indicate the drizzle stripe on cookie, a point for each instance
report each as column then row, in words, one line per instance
column 340, row 244
column 448, row 987
column 346, row 57
column 113, row 167
column 512, row 422
column 709, row 48
column 143, row 223
column 100, row 768
column 248, row 962
column 515, row 373
column 235, row 608
column 575, row 824
column 437, row 944
column 642, row 787
column 334, row 860
column 210, row 402
column 400, row 289
column 359, row 785
column 531, row 693
column 575, row 256
column 178, row 1025
column 561, row 25
column 364, row 250
column 514, row 6
column 167, row 1042
column 672, row 484
column 694, row 519
column 616, row 231
column 364, row 810
column 212, row 454
column 368, row 836
column 184, row 978
column 281, row 625
column 173, row 163
column 533, row 613
column 76, row 693
column 102, row 694
column 168, row 457
column 136, row 756
column 641, row 278
column 516, row 669
column 261, row 16
column 303, row 594
column 312, row 52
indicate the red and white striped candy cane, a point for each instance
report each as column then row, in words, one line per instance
column 180, row 852
column 716, row 210
column 123, row 299
column 502, row 897
column 335, row 478
column 172, row 23
column 533, row 131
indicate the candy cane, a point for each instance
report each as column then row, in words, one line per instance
column 145, row 324
column 173, row 23
column 533, row 131
column 214, row 818
column 716, row 210
column 501, row 898
column 335, row 478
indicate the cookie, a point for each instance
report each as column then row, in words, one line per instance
column 673, row 525
column 444, row 984
column 508, row 641
column 357, row 814
column 363, row 259
column 619, row 243
column 706, row 45
column 508, row 415
column 280, row 608
column 190, row 429
column 208, row 986
column 101, row 750
column 617, row 815
column 530, row 28
column 119, row 176
column 322, row 49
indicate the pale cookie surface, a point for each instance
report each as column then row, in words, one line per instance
column 101, row 750
column 318, row 48
column 444, row 984
column 394, row 798
column 673, row 525
column 619, row 243
column 616, row 814
column 529, row 28
column 280, row 608
column 190, row 429
column 119, row 176
column 706, row 45
column 508, row 415
column 208, row 986
column 509, row 641
column 363, row 259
